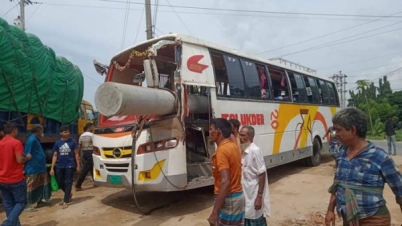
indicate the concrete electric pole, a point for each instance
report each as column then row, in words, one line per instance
column 148, row 18
column 340, row 83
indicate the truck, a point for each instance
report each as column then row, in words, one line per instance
column 38, row 87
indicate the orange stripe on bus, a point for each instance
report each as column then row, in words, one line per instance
column 115, row 135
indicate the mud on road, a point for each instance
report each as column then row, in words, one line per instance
column 298, row 197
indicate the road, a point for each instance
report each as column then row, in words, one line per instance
column 298, row 197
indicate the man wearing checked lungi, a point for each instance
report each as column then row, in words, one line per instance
column 229, row 206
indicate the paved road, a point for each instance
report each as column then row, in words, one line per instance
column 383, row 144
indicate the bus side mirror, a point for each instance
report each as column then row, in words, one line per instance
column 151, row 73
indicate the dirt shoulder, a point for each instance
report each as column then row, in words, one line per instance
column 298, row 197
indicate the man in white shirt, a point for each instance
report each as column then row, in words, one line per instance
column 254, row 180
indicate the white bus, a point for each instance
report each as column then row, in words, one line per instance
column 189, row 82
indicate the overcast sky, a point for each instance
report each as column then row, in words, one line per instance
column 82, row 32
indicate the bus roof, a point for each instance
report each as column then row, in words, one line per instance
column 206, row 44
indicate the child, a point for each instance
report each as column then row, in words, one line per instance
column 65, row 153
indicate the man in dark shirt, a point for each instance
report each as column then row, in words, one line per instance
column 65, row 153
column 390, row 127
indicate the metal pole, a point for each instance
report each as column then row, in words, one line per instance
column 148, row 18
column 22, row 16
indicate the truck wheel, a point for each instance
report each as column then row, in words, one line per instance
column 315, row 159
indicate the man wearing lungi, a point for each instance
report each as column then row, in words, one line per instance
column 226, row 169
column 362, row 171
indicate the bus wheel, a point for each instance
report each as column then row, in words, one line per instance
column 315, row 159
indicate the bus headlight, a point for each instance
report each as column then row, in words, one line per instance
column 157, row 146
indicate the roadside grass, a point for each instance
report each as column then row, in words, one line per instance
column 373, row 137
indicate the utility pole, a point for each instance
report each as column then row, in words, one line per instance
column 340, row 83
column 22, row 15
column 148, row 18
column 20, row 21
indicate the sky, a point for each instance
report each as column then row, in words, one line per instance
column 363, row 40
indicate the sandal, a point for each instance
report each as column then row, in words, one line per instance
column 30, row 209
column 65, row 206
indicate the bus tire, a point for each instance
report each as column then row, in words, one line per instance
column 315, row 159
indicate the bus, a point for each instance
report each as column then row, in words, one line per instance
column 160, row 96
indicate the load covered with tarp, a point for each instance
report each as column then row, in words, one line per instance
column 33, row 80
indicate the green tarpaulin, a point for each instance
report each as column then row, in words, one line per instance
column 34, row 80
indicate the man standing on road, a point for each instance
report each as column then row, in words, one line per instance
column 12, row 183
column 254, row 180
column 65, row 153
column 390, row 127
column 362, row 171
column 333, row 143
column 226, row 169
column 85, row 146
column 38, row 185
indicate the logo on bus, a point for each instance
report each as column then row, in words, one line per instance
column 194, row 65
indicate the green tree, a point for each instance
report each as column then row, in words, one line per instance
column 384, row 88
column 396, row 99
column 363, row 86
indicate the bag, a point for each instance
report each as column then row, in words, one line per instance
column 53, row 183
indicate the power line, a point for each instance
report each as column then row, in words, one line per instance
column 181, row 20
column 328, row 44
column 331, row 33
column 218, row 14
column 40, row 4
column 123, row 38
column 139, row 25
column 91, row 78
column 390, row 74
column 354, row 62
column 379, row 66
column 10, row 10
column 259, row 11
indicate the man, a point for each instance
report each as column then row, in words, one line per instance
column 226, row 169
column 333, row 143
column 235, row 130
column 254, row 180
column 65, row 153
column 390, row 127
column 12, row 183
column 38, row 185
column 85, row 147
column 362, row 171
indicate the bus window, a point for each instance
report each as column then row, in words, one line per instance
column 252, row 79
column 221, row 78
column 235, row 75
column 264, row 81
column 299, row 92
column 333, row 100
column 324, row 91
column 279, row 84
column 312, row 91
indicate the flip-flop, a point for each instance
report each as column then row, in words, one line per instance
column 65, row 206
column 30, row 209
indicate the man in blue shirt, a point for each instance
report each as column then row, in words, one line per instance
column 362, row 171
column 65, row 153
column 38, row 186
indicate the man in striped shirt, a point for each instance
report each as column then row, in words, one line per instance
column 362, row 171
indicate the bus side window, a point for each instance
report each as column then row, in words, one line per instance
column 324, row 91
column 235, row 75
column 333, row 100
column 279, row 84
column 221, row 78
column 314, row 95
column 251, row 76
column 298, row 88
